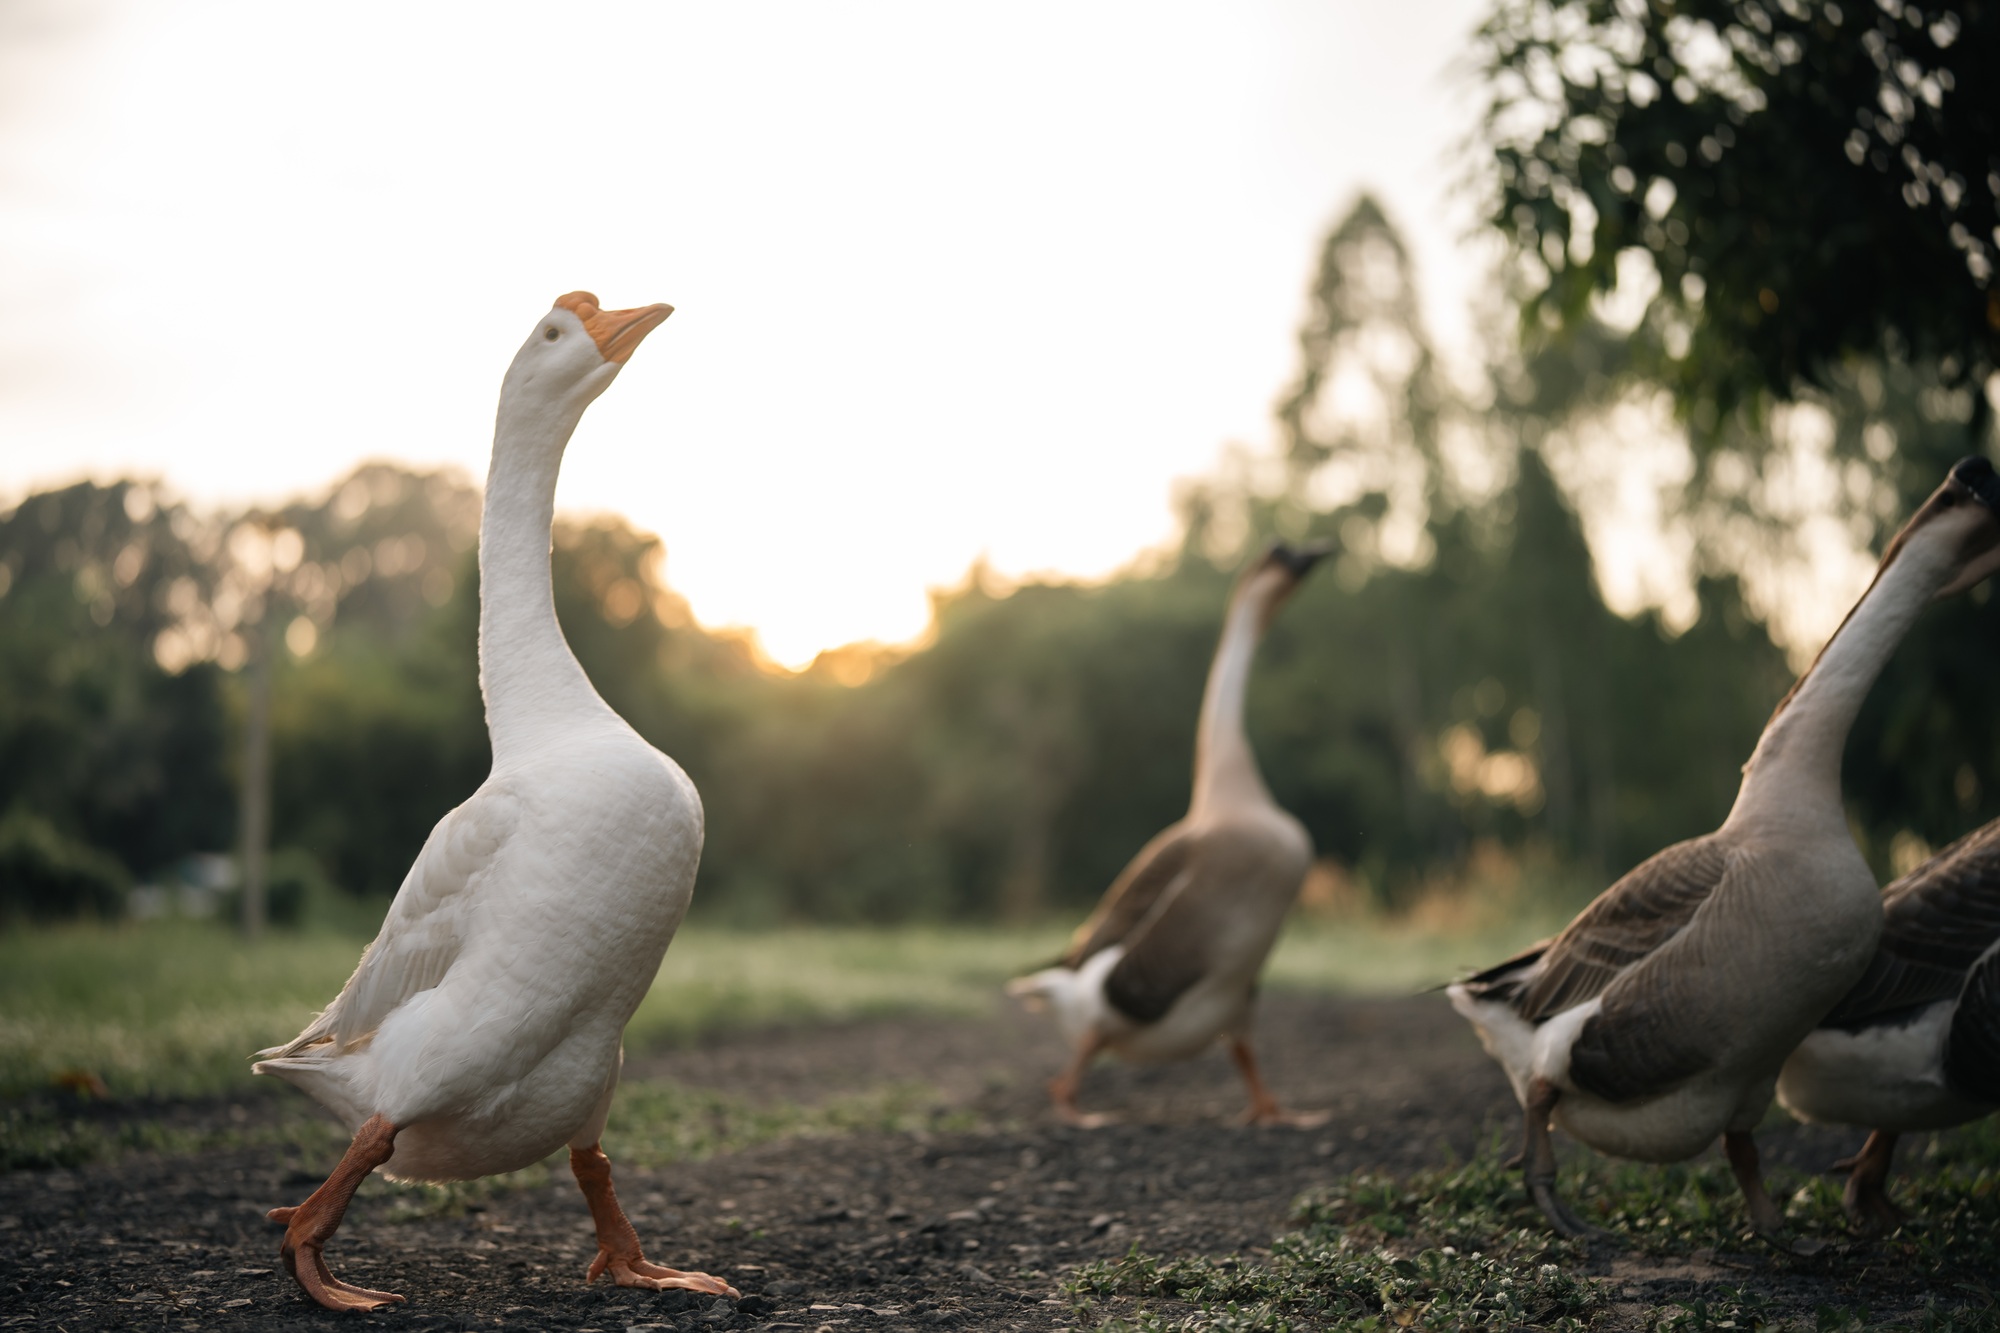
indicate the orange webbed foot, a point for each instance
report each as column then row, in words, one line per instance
column 618, row 1250
column 1278, row 1116
column 307, row 1266
column 1076, row 1119
column 1062, row 1100
column 635, row 1270
column 311, row 1224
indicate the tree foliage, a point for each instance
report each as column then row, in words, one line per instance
column 1797, row 182
column 1791, row 200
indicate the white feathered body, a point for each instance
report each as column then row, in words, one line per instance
column 486, row 1018
column 1885, row 1075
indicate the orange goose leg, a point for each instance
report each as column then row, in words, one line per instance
column 1062, row 1088
column 309, row 1226
column 1264, row 1108
column 1866, row 1197
column 618, row 1244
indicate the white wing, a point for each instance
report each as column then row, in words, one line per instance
column 422, row 935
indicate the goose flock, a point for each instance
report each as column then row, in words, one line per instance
column 482, row 1029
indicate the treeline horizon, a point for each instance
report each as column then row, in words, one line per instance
column 1450, row 685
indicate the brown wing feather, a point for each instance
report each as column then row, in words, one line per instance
column 1232, row 879
column 1635, row 916
column 1136, row 892
column 1504, row 981
column 1936, row 922
column 1628, row 1051
column 1663, row 1019
column 1168, row 958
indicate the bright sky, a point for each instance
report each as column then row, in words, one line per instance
column 950, row 279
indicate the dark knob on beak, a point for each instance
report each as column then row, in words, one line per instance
column 1976, row 475
column 1298, row 559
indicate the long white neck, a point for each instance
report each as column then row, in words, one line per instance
column 1793, row 777
column 1225, row 772
column 535, row 690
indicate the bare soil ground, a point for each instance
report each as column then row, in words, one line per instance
column 971, row 1228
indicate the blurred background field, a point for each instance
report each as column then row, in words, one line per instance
column 136, row 1036
column 170, row 1009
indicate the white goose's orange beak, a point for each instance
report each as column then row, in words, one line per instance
column 616, row 332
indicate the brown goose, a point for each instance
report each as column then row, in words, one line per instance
column 1169, row 960
column 1916, row 1044
column 1659, row 1019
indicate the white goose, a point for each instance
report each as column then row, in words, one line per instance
column 1659, row 1019
column 1916, row 1044
column 1170, row 958
column 483, row 1028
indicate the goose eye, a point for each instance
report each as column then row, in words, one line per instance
column 551, row 333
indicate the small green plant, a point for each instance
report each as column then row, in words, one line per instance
column 1461, row 1247
column 1444, row 1250
column 1722, row 1308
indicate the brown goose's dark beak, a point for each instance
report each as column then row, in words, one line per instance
column 1977, row 475
column 1298, row 559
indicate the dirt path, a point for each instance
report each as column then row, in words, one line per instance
column 875, row 1231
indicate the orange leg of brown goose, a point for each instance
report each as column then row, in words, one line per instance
column 1062, row 1088
column 618, row 1244
column 309, row 1226
column 1866, row 1197
column 1538, row 1161
column 1741, row 1149
column 1264, row 1108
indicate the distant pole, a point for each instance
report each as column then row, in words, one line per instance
column 256, row 797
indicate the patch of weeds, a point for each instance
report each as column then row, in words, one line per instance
column 1952, row 1188
column 1684, row 1206
column 1722, row 1308
column 1965, row 1319
column 1462, row 1248
column 1229, row 1319
column 1442, row 1250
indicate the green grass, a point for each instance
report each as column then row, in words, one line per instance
column 171, row 1010
column 164, row 1009
column 36, row 1135
column 1460, row 1247
column 174, row 1008
column 1382, row 956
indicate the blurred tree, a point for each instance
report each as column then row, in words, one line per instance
column 97, row 741
column 1782, row 185
column 44, row 875
column 1369, row 393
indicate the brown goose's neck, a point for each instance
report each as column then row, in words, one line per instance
column 1794, row 773
column 1225, row 771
